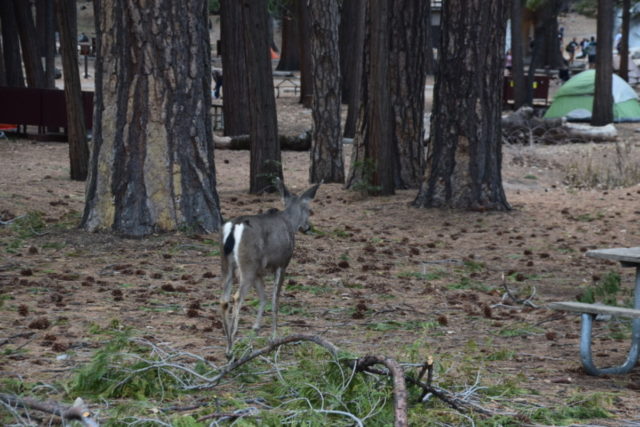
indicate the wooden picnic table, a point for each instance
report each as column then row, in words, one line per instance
column 628, row 257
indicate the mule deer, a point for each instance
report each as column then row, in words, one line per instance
column 255, row 245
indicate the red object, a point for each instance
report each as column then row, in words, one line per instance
column 4, row 126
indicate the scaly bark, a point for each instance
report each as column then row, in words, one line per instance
column 464, row 159
column 407, row 76
column 326, row 149
column 266, row 162
column 152, row 167
column 234, row 70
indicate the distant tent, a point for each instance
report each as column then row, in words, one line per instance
column 574, row 100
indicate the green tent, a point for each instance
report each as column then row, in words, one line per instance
column 574, row 100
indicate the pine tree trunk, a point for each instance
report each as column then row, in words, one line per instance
column 407, row 76
column 624, row 42
column 603, row 98
column 373, row 158
column 11, row 45
column 352, row 79
column 517, row 55
column 306, row 63
column 464, row 160
column 290, row 52
column 326, row 150
column 546, row 34
column 46, row 39
column 348, row 40
column 77, row 132
column 265, row 162
column 152, row 161
column 29, row 43
column 234, row 70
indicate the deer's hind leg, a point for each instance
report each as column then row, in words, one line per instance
column 277, row 286
column 226, row 305
column 238, row 298
column 259, row 285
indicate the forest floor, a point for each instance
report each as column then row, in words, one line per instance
column 377, row 277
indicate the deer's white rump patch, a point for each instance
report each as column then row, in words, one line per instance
column 237, row 235
column 237, row 230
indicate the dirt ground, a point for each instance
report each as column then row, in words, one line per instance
column 378, row 275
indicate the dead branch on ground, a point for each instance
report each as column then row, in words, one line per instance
column 509, row 295
column 525, row 128
column 76, row 412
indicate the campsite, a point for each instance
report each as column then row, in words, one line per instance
column 133, row 325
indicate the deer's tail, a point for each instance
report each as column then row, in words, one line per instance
column 228, row 238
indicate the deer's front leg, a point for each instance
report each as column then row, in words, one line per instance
column 277, row 285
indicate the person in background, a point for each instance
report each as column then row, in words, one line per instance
column 217, row 78
column 583, row 48
column 617, row 42
column 591, row 52
column 571, row 48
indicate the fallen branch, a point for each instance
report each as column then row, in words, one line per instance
column 524, row 127
column 520, row 301
column 10, row 221
column 77, row 412
column 271, row 347
column 399, row 385
column 4, row 341
column 301, row 142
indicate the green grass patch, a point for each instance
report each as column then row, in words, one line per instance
column 606, row 290
column 520, row 329
column 393, row 325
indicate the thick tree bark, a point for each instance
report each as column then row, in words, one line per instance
column 350, row 14
column 373, row 159
column 352, row 65
column 306, row 63
column 624, row 42
column 77, row 132
column 29, row 43
column 464, row 161
column 265, row 164
column 11, row 45
column 603, row 98
column 326, row 150
column 234, row 70
column 407, row 75
column 517, row 55
column 290, row 52
column 152, row 161
column 46, row 39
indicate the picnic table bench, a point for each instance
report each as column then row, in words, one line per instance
column 287, row 83
column 628, row 257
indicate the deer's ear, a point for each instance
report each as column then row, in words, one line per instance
column 284, row 193
column 310, row 193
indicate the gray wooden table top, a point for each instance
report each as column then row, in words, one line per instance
column 624, row 255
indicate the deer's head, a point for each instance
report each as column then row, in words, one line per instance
column 297, row 207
